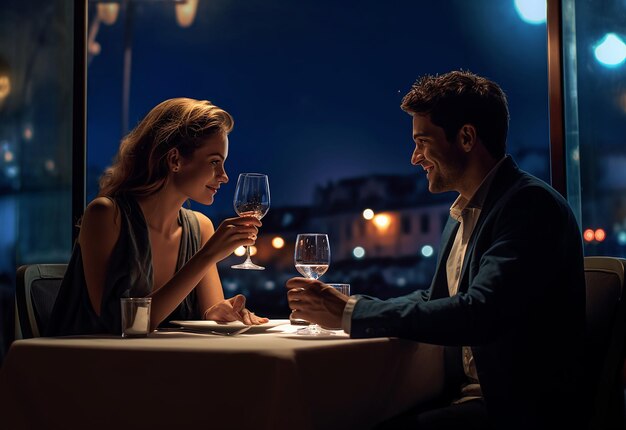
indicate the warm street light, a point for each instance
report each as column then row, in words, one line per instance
column 278, row 242
column 5, row 80
column 382, row 221
column 5, row 87
column 186, row 12
column 107, row 12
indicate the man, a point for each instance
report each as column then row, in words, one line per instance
column 508, row 295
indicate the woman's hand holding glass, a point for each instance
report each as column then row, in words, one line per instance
column 230, row 235
column 252, row 198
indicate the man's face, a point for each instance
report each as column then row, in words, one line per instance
column 443, row 161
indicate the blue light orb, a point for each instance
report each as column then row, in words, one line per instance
column 610, row 51
column 358, row 252
column 427, row 251
column 531, row 11
column 621, row 237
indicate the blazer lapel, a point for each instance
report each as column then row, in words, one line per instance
column 503, row 180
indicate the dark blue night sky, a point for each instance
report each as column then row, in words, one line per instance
column 315, row 86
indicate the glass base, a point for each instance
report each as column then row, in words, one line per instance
column 314, row 330
column 247, row 265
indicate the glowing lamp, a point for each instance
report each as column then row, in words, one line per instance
column 589, row 235
column 278, row 242
column 382, row 221
column 107, row 12
column 240, row 251
column 186, row 12
column 368, row 214
column 5, row 87
column 599, row 235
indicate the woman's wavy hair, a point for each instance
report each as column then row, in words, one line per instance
column 461, row 97
column 140, row 167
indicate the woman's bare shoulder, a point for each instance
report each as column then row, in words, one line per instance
column 100, row 219
column 206, row 225
column 205, row 221
column 101, row 209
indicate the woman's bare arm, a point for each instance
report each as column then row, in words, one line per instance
column 232, row 233
column 99, row 231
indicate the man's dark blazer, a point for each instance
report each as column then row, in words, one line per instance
column 520, row 304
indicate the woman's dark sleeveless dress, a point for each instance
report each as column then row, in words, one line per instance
column 129, row 274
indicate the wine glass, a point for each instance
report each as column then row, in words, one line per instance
column 312, row 258
column 252, row 198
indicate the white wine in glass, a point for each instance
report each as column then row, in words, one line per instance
column 312, row 258
column 252, row 198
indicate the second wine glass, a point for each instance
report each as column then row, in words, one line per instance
column 252, row 198
column 312, row 258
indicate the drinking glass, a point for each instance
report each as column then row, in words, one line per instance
column 312, row 258
column 252, row 198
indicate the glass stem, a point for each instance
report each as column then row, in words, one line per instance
column 248, row 254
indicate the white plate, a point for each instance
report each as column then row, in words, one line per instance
column 227, row 327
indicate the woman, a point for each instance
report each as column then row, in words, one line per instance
column 136, row 239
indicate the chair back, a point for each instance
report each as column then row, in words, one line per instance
column 36, row 290
column 605, row 339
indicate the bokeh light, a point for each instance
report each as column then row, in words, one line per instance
column 532, row 11
column 599, row 235
column 382, row 221
column 358, row 252
column 610, row 51
column 278, row 242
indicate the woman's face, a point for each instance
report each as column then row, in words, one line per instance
column 200, row 175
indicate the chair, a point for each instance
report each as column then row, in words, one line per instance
column 605, row 339
column 36, row 290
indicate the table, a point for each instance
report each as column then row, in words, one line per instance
column 271, row 380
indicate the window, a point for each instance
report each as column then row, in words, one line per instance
column 36, row 69
column 594, row 38
column 315, row 89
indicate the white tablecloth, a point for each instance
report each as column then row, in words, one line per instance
column 198, row 381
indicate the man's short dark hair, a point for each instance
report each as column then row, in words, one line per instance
column 458, row 98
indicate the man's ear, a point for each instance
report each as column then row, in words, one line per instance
column 173, row 160
column 467, row 137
